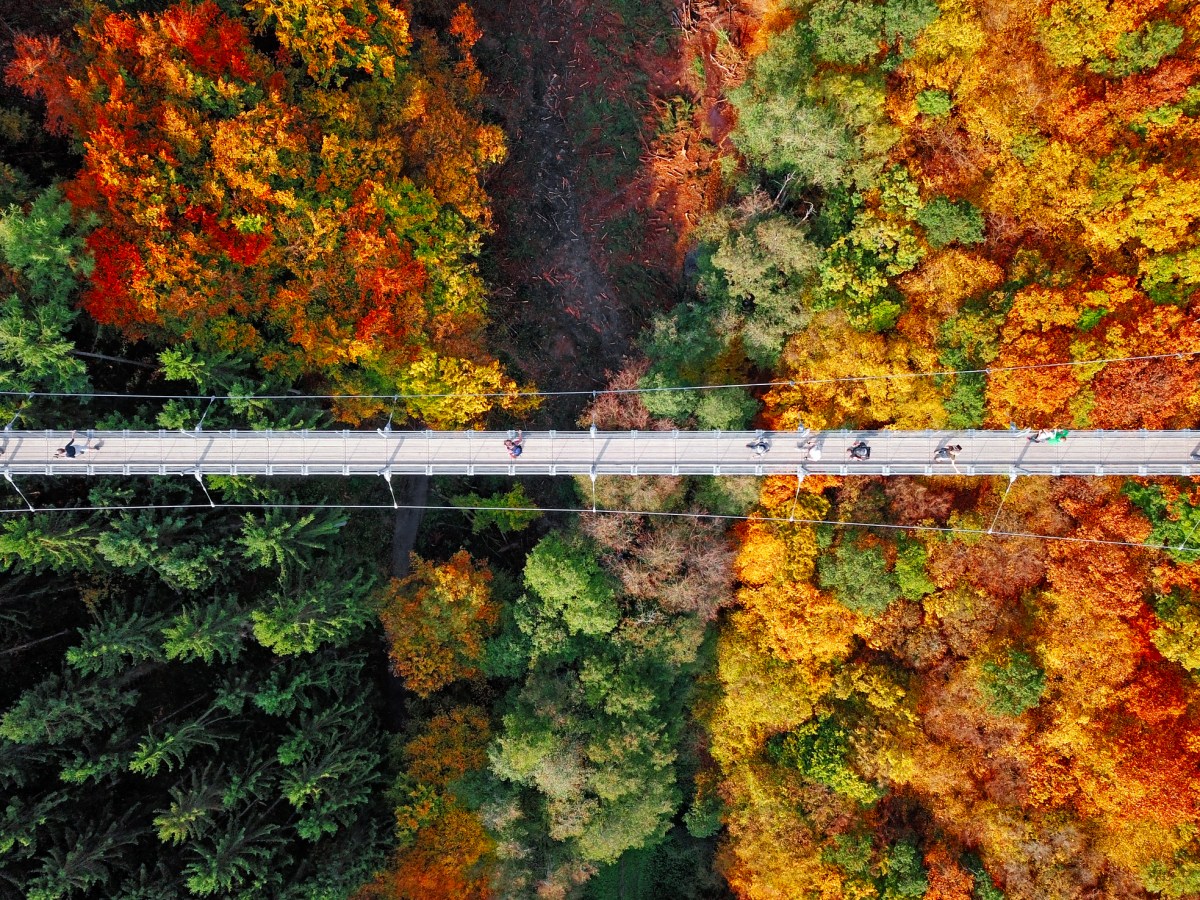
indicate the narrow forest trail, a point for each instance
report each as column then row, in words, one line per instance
column 555, row 305
column 616, row 119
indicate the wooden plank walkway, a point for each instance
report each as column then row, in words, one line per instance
column 294, row 453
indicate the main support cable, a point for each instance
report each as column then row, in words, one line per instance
column 514, row 394
column 936, row 529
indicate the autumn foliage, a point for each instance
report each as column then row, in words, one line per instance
column 437, row 619
column 1008, row 188
column 445, row 847
column 317, row 211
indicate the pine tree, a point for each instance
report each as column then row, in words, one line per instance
column 81, row 860
column 211, row 632
column 172, row 747
column 193, row 801
column 308, row 613
column 235, row 862
column 59, row 709
column 118, row 639
column 52, row 542
column 277, row 539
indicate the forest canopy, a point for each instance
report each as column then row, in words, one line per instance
column 304, row 209
column 854, row 214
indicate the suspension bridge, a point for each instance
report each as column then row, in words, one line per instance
column 390, row 452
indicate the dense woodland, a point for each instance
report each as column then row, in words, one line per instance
column 231, row 689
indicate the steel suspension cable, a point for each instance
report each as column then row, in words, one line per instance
column 777, row 520
column 450, row 395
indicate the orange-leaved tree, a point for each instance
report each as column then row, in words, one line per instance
column 437, row 619
column 316, row 211
column 444, row 849
column 1105, row 318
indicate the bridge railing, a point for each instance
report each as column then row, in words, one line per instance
column 360, row 452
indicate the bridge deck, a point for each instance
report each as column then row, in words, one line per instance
column 602, row 453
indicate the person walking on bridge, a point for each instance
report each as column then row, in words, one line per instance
column 515, row 445
column 71, row 451
column 949, row 453
column 760, row 445
column 1049, row 436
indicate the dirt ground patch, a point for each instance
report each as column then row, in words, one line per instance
column 617, row 120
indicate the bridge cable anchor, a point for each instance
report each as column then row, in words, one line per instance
column 387, row 477
column 800, row 473
column 8, row 477
column 199, row 476
column 387, row 428
column 200, row 425
column 1012, row 479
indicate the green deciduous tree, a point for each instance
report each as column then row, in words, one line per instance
column 947, row 222
column 910, row 572
column 819, row 750
column 903, row 872
column 934, row 103
column 766, row 274
column 507, row 512
column 571, row 587
column 730, row 409
column 847, row 33
column 1014, row 684
column 1174, row 523
column 787, row 135
column 1140, row 50
column 859, row 578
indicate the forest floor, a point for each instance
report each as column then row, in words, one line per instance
column 616, row 119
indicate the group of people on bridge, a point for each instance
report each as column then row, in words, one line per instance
column 860, row 450
column 515, row 444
